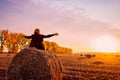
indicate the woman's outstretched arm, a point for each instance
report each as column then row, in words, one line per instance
column 28, row 37
column 50, row 35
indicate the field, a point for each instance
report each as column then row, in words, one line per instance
column 97, row 66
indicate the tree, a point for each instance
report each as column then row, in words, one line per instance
column 55, row 48
column 14, row 41
column 1, row 40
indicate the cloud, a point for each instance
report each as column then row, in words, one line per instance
column 16, row 1
column 54, row 14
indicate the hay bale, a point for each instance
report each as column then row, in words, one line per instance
column 34, row 64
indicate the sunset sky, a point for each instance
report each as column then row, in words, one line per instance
column 83, row 25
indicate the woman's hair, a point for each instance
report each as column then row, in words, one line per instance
column 37, row 31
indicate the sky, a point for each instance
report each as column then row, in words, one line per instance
column 81, row 24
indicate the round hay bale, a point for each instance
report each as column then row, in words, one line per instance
column 34, row 64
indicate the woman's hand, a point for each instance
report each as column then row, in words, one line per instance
column 56, row 34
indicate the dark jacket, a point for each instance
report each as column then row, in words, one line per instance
column 37, row 40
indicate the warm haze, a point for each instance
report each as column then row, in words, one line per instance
column 83, row 25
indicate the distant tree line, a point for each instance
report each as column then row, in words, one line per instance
column 54, row 47
column 13, row 42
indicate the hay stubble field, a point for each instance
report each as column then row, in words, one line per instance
column 79, row 67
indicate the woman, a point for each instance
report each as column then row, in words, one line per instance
column 37, row 39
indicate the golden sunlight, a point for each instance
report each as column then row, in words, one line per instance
column 105, row 44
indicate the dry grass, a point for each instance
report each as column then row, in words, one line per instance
column 77, row 67
column 99, row 67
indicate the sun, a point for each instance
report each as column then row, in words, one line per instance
column 105, row 44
